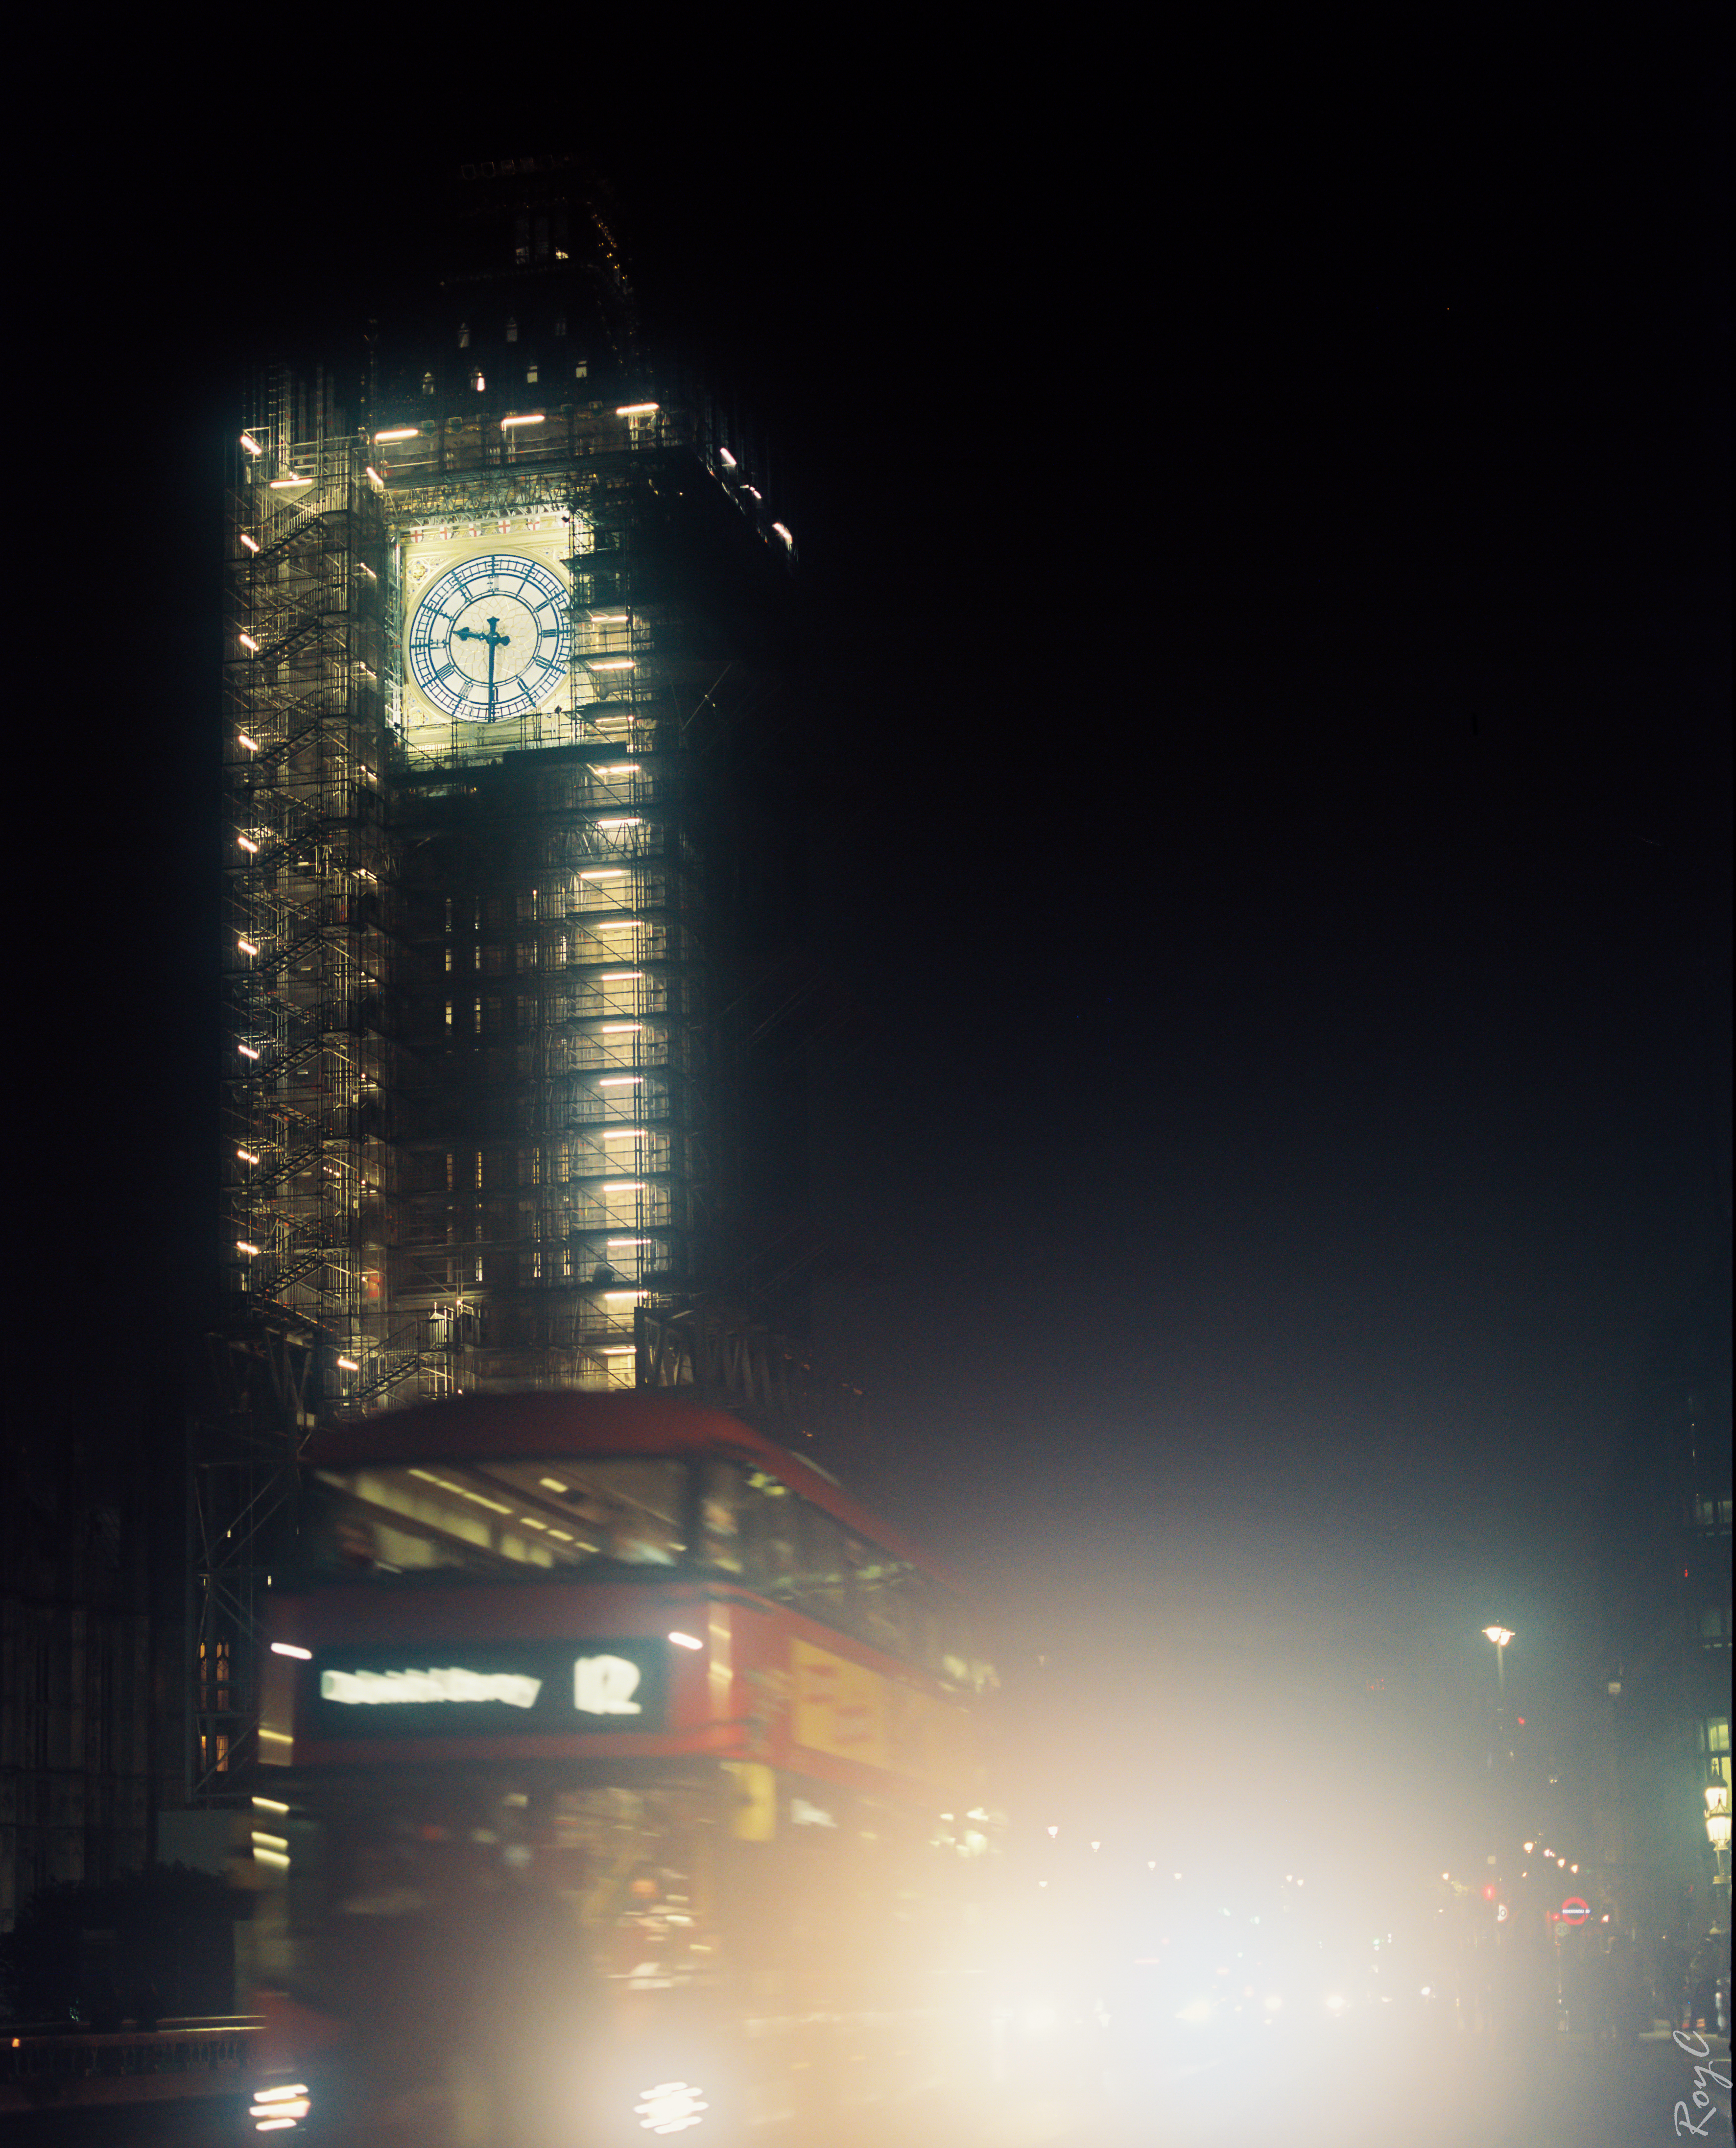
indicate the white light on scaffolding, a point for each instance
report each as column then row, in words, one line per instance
column 247, row 842
column 622, row 1081
column 243, row 1247
column 752, row 492
column 615, row 977
column 622, row 1133
column 619, row 1028
column 628, row 821
column 248, row 641
column 252, row 544
column 289, row 1648
column 637, row 410
column 624, row 1186
column 247, row 946
column 251, row 444
column 623, row 1295
column 784, row 534
column 609, row 872
column 247, row 1051
column 246, row 1155
column 607, row 618
column 397, row 432
column 347, row 1365
column 616, row 923
column 252, row 745
column 287, row 483
column 608, row 662
column 627, row 1241
column 617, row 1350
column 374, row 474
column 535, row 417
column 726, row 459
column 621, row 768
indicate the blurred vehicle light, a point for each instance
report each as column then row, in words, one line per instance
column 670, row 2107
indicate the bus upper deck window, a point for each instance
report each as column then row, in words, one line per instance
column 721, row 1517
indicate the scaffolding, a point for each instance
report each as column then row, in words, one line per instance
column 306, row 1069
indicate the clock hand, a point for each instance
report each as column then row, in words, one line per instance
column 492, row 638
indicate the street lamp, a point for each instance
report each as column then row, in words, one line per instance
column 1717, row 1824
column 1500, row 1635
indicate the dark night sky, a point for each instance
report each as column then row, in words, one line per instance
column 1261, row 764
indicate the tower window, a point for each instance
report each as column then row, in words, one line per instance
column 512, row 329
column 463, row 335
column 560, row 325
column 477, row 381
column 581, row 369
column 530, row 373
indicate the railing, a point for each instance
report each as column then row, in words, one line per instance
column 205, row 2055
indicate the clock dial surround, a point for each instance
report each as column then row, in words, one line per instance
column 489, row 638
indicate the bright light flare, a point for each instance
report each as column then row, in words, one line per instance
column 669, row 2107
column 276, row 2110
column 686, row 1641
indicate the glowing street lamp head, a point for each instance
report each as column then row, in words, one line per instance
column 1500, row 1635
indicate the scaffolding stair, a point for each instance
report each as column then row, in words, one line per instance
column 297, row 1159
column 293, row 1062
column 269, row 756
column 398, row 1368
column 274, row 652
column 305, row 521
column 295, row 1271
column 269, row 965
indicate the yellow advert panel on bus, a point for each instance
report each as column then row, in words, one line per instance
column 854, row 1713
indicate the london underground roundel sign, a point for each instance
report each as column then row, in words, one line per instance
column 1573, row 1911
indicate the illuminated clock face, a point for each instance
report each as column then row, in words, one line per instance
column 489, row 638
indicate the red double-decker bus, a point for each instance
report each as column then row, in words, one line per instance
column 624, row 1779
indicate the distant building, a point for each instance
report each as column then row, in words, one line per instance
column 76, row 1732
column 1668, row 1636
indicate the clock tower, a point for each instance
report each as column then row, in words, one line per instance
column 497, row 574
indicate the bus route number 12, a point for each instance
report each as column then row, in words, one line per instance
column 604, row 1685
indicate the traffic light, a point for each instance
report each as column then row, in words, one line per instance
column 1490, row 1890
